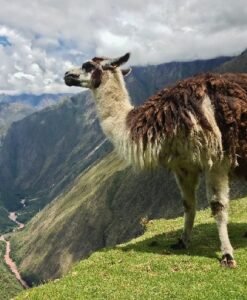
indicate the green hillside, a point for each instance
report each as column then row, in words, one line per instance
column 9, row 286
column 146, row 267
column 98, row 211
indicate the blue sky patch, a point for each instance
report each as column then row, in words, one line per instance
column 4, row 41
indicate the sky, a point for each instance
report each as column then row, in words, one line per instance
column 41, row 39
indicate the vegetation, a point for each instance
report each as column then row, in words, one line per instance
column 42, row 153
column 6, row 224
column 146, row 267
column 9, row 286
column 97, row 211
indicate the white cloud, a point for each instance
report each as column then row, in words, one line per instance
column 25, row 67
column 46, row 37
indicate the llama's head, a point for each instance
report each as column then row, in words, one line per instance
column 91, row 73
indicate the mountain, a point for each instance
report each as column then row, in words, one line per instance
column 11, row 112
column 40, row 101
column 145, row 81
column 147, row 268
column 44, row 152
column 16, row 107
column 237, row 64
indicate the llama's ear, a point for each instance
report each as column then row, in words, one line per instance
column 126, row 72
column 120, row 60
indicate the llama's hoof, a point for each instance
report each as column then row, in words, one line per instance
column 228, row 261
column 179, row 245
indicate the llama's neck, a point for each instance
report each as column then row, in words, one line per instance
column 113, row 106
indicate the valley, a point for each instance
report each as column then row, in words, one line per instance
column 5, row 258
column 79, row 196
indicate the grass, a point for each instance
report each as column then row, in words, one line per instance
column 9, row 286
column 146, row 267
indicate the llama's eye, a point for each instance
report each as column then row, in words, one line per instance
column 88, row 67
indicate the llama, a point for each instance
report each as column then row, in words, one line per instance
column 198, row 125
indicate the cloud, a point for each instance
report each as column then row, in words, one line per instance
column 47, row 37
column 25, row 67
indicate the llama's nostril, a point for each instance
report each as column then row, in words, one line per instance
column 66, row 73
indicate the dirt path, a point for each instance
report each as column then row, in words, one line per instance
column 7, row 258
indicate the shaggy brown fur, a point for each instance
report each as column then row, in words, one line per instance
column 169, row 109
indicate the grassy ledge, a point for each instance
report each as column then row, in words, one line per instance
column 146, row 267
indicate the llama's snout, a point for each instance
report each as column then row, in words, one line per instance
column 71, row 78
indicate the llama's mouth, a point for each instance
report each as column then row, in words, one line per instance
column 72, row 80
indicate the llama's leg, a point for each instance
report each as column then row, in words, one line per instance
column 218, row 196
column 187, row 182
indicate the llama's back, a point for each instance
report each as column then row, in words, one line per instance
column 175, row 108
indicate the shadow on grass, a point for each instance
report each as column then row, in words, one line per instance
column 205, row 241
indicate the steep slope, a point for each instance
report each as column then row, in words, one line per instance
column 145, row 81
column 16, row 107
column 45, row 151
column 98, row 211
column 237, row 64
column 12, row 112
column 107, row 205
column 146, row 268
